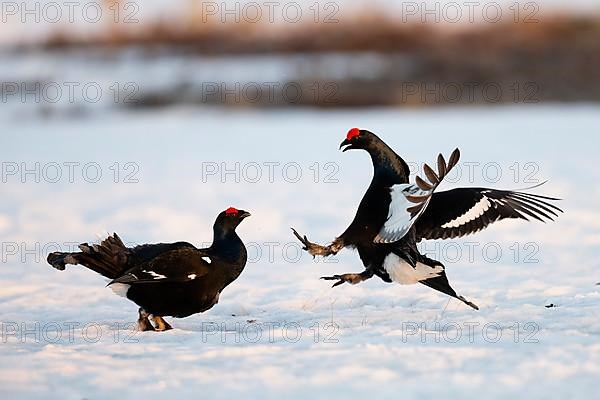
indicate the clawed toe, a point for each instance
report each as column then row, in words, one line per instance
column 312, row 248
column 352, row 279
column 303, row 240
column 334, row 278
column 331, row 278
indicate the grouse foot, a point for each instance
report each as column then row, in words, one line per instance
column 144, row 324
column 312, row 248
column 161, row 324
column 353, row 279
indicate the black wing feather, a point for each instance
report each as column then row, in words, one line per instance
column 171, row 266
column 448, row 207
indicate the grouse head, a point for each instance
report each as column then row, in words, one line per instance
column 388, row 165
column 230, row 219
column 360, row 139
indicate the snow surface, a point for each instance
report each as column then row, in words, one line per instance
column 375, row 339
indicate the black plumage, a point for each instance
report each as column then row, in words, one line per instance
column 395, row 215
column 503, row 205
column 167, row 279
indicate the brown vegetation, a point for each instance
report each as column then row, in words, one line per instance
column 555, row 59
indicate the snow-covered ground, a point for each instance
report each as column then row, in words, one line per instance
column 279, row 330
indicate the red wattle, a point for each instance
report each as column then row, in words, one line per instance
column 352, row 133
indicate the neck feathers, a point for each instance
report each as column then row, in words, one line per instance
column 389, row 167
column 223, row 233
column 228, row 245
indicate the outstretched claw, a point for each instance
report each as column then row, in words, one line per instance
column 352, row 279
column 312, row 248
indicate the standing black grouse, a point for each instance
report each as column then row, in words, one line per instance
column 395, row 215
column 167, row 279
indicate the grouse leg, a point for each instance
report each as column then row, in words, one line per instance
column 316, row 249
column 144, row 324
column 353, row 279
column 161, row 324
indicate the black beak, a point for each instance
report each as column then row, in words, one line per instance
column 245, row 214
column 346, row 143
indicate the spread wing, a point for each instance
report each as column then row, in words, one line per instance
column 180, row 265
column 459, row 212
column 410, row 201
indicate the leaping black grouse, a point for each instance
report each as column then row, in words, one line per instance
column 394, row 215
column 174, row 279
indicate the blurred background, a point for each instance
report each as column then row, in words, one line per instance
column 148, row 118
column 85, row 57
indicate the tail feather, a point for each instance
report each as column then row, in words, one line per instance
column 441, row 284
column 109, row 258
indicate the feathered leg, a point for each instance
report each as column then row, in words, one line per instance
column 161, row 324
column 144, row 324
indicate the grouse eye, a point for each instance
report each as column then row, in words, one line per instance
column 231, row 211
column 352, row 133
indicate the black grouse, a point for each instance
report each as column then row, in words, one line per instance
column 167, row 279
column 394, row 215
